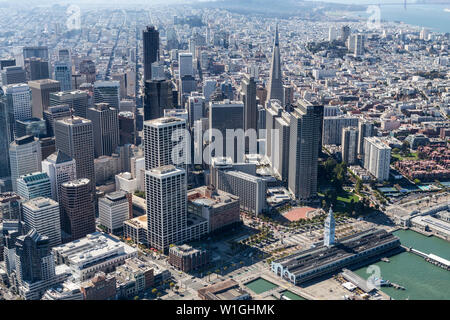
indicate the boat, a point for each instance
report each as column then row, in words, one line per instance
column 384, row 259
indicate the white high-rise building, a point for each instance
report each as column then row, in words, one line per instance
column 42, row 214
column 377, row 158
column 18, row 97
column 185, row 64
column 25, row 157
column 60, row 168
column 330, row 225
column 159, row 148
column 166, row 192
column 332, row 128
column 114, row 210
column 333, row 33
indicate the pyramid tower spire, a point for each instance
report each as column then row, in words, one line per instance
column 276, row 81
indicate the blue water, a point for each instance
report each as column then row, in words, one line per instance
column 433, row 17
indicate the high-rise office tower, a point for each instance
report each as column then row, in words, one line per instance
column 349, row 145
column 107, row 92
column 273, row 111
column 185, row 64
column 63, row 74
column 151, row 50
column 36, row 69
column 359, row 45
column 377, row 158
column 345, row 33
column 42, row 214
column 40, row 92
column 276, row 76
column 35, row 127
column 227, row 115
column 34, row 261
column 35, row 52
column 88, row 71
column 18, row 99
column 209, row 86
column 48, row 146
column 64, row 56
column 4, row 139
column 166, row 193
column 60, row 168
column 332, row 128
column 305, row 138
column 365, row 129
column 105, row 123
column 330, row 225
column 24, row 157
column 127, row 128
column 281, row 145
column 10, row 206
column 121, row 76
column 288, row 95
column 196, row 108
column 77, row 208
column 54, row 113
column 249, row 99
column 13, row 75
column 158, row 96
column 188, row 84
column 158, row 145
column 34, row 185
column 74, row 137
column 76, row 99
column 7, row 63
column 114, row 209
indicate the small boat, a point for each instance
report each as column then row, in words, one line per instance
column 384, row 259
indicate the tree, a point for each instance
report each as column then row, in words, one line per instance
column 358, row 185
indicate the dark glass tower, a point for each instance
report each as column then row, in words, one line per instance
column 151, row 50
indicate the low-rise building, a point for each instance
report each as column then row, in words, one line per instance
column 225, row 290
column 100, row 287
column 187, row 258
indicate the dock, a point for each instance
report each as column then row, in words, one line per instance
column 431, row 258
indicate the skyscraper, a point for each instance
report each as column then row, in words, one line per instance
column 127, row 128
column 4, row 139
column 60, row 168
column 13, row 75
column 63, row 74
column 151, row 50
column 305, row 136
column 54, row 113
column 35, row 52
column 74, row 137
column 40, row 91
column 34, row 185
column 24, row 157
column 332, row 128
column 276, row 76
column 77, row 208
column 166, row 193
column 18, row 99
column 158, row 144
column 113, row 210
column 36, row 69
column 249, row 99
column 227, row 115
column 349, row 145
column 107, row 92
column 158, row 96
column 377, row 158
column 365, row 129
column 105, row 123
column 42, row 214
column 76, row 99
column 185, row 64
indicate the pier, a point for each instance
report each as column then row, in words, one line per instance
column 431, row 258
